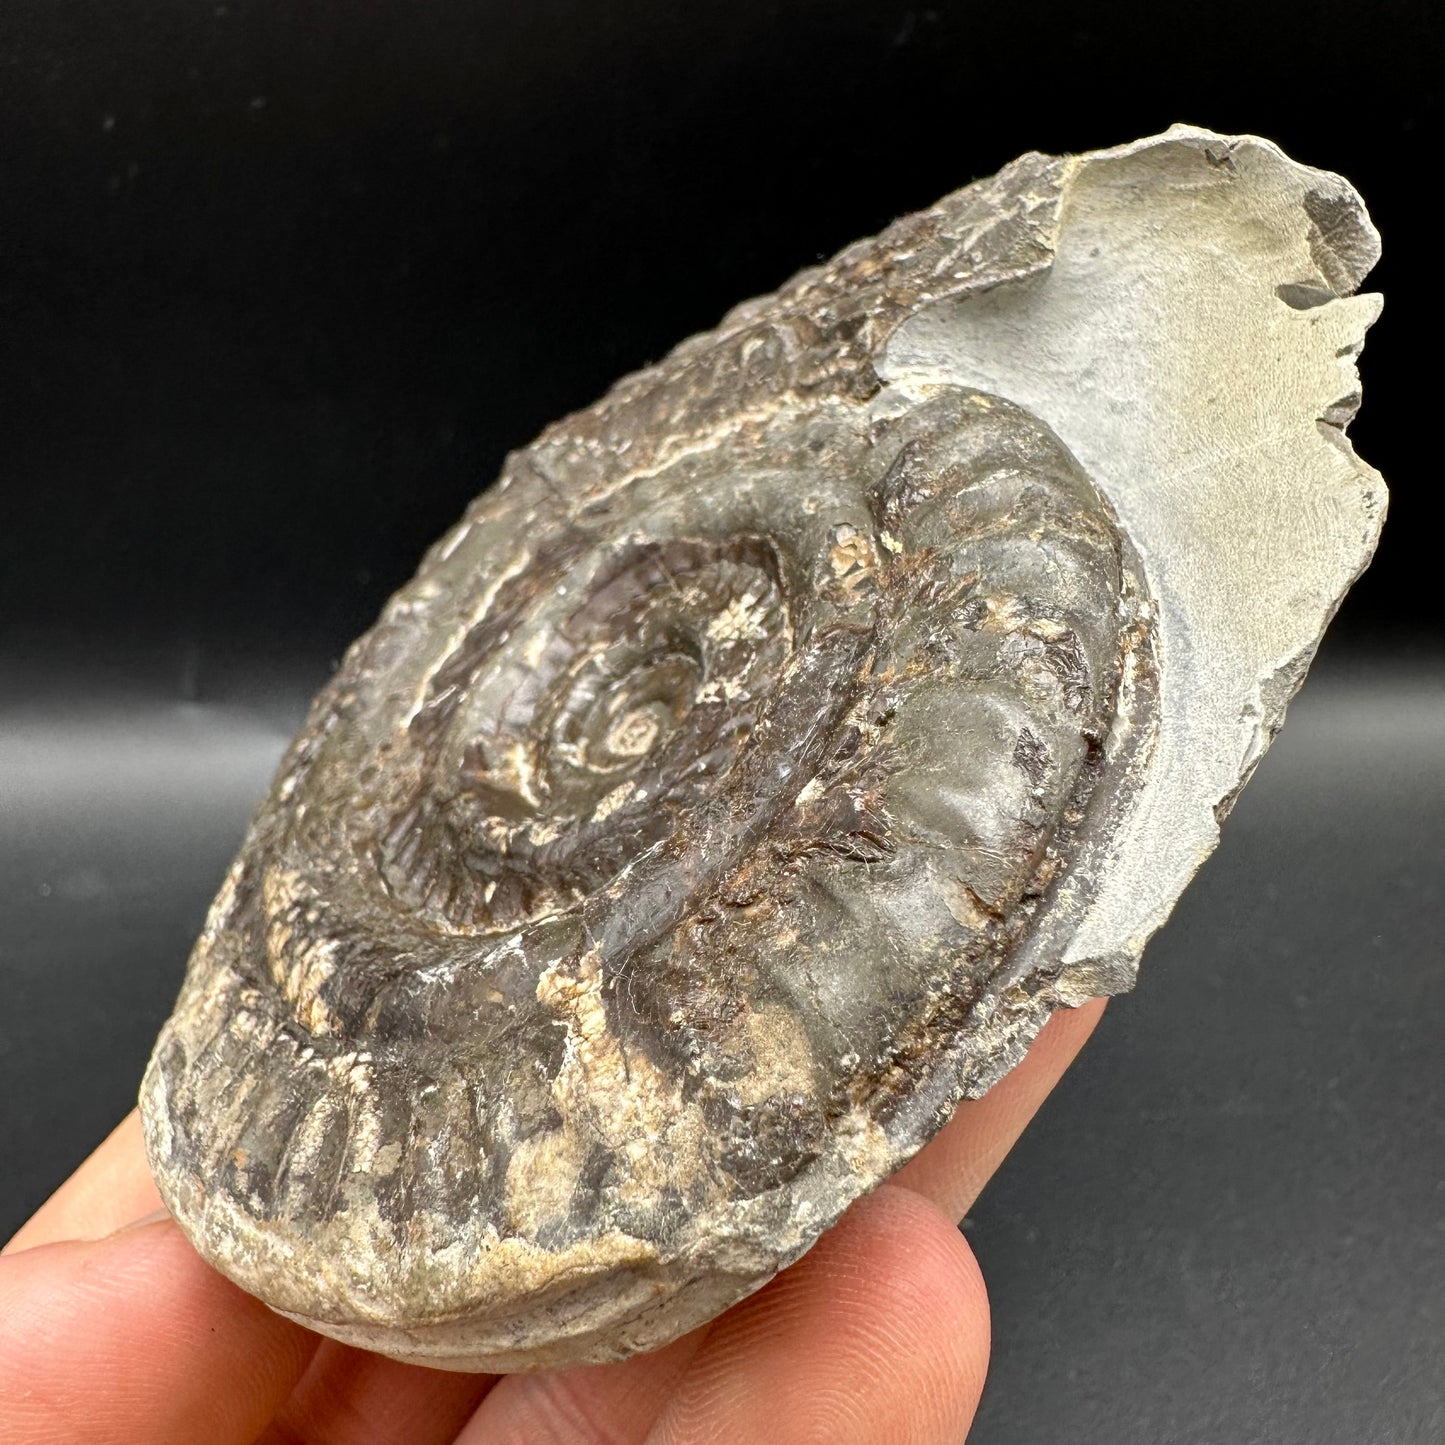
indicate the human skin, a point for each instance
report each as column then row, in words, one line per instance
column 112, row 1329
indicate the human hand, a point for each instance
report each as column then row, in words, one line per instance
column 115, row 1332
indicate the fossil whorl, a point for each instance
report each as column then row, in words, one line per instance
column 707, row 816
column 629, row 872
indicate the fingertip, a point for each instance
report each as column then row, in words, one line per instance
column 134, row 1337
column 879, row 1334
column 953, row 1168
column 1069, row 1028
column 907, row 1261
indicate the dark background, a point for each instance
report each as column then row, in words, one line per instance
column 281, row 282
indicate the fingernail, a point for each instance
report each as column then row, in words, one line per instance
column 155, row 1217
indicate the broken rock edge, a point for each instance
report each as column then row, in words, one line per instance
column 1078, row 981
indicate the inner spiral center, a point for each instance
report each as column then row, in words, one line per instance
column 614, row 710
column 634, row 733
column 576, row 742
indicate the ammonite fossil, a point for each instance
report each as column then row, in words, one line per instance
column 750, row 772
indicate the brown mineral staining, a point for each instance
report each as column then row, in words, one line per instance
column 682, row 842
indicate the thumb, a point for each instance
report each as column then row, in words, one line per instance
column 134, row 1339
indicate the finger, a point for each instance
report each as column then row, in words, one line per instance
column 952, row 1170
column 594, row 1405
column 352, row 1397
column 134, row 1338
column 877, row 1336
column 879, row 1333
column 110, row 1189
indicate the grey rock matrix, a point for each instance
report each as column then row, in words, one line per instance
column 753, row 769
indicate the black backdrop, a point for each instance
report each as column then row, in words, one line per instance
column 279, row 285
column 281, row 282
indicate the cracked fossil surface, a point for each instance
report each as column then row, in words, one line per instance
column 756, row 765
